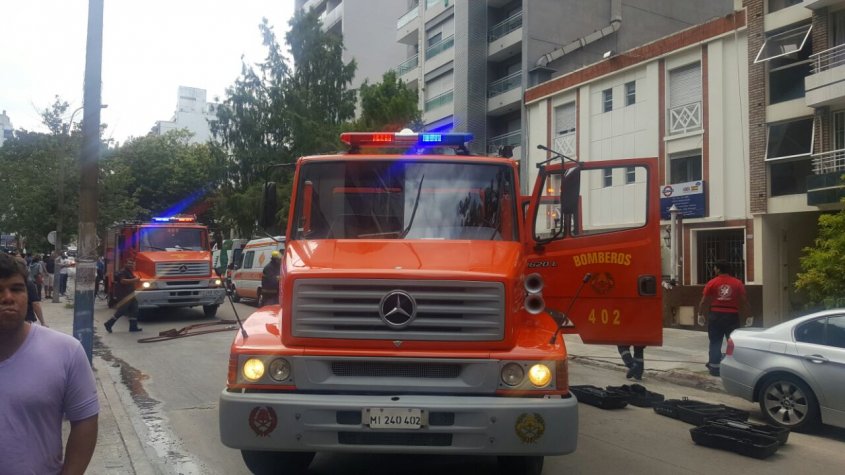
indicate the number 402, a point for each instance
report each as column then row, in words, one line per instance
column 605, row 317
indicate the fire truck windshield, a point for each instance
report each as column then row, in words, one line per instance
column 405, row 199
column 158, row 238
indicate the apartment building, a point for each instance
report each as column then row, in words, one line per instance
column 796, row 127
column 193, row 113
column 369, row 33
column 471, row 61
column 6, row 130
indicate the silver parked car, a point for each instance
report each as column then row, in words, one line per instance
column 795, row 370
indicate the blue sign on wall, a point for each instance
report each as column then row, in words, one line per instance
column 687, row 197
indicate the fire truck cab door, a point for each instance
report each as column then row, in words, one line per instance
column 596, row 226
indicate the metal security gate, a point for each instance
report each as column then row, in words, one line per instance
column 715, row 245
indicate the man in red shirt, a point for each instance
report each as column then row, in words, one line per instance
column 724, row 297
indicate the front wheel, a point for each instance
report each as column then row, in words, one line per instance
column 522, row 464
column 209, row 310
column 270, row 463
column 235, row 297
column 788, row 402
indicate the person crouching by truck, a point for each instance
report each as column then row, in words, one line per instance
column 124, row 291
column 270, row 279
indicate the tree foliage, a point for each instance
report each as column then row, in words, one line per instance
column 388, row 106
column 822, row 276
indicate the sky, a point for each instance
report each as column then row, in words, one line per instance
column 150, row 48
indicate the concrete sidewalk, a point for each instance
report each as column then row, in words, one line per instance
column 120, row 450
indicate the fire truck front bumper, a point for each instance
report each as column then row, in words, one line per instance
column 399, row 424
column 180, row 297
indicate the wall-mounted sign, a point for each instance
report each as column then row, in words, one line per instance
column 687, row 197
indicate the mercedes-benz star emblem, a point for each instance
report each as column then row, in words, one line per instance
column 397, row 309
column 183, row 268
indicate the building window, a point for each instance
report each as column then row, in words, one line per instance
column 685, row 167
column 790, row 139
column 630, row 175
column 684, row 114
column 565, row 123
column 789, row 177
column 788, row 56
column 728, row 245
column 775, row 5
column 607, row 100
column 630, row 93
column 608, row 177
column 839, row 130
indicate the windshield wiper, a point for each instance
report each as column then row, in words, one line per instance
column 414, row 211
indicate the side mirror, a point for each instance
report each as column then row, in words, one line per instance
column 307, row 203
column 570, row 190
column 268, row 206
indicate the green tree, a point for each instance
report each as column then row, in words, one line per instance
column 822, row 276
column 387, row 106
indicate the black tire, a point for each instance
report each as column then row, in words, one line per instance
column 787, row 401
column 521, row 464
column 270, row 463
column 235, row 297
column 209, row 310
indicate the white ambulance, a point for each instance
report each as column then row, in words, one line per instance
column 246, row 278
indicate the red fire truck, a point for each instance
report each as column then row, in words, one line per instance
column 173, row 260
column 422, row 302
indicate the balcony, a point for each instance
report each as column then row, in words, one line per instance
column 408, row 25
column 825, row 186
column 685, row 118
column 438, row 101
column 331, row 17
column 505, row 38
column 565, row 144
column 407, row 71
column 504, row 95
column 513, row 139
column 825, row 86
column 818, row 4
column 439, row 47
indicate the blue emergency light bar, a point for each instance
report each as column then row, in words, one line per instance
column 404, row 139
column 175, row 219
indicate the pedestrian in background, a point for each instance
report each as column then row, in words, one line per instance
column 101, row 270
column 124, row 290
column 635, row 363
column 45, row 378
column 62, row 263
column 50, row 266
column 34, row 313
column 37, row 272
column 723, row 300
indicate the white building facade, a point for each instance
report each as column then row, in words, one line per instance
column 193, row 113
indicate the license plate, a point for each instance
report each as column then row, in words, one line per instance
column 394, row 418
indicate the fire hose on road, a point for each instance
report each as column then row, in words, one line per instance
column 191, row 330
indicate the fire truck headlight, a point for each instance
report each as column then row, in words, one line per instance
column 513, row 374
column 253, row 369
column 540, row 375
column 146, row 285
column 217, row 282
column 280, row 369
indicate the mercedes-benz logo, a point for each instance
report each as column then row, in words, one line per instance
column 183, row 268
column 397, row 309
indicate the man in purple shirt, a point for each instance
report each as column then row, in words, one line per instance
column 44, row 376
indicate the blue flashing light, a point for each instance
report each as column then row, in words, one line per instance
column 175, row 219
column 404, row 139
column 431, row 138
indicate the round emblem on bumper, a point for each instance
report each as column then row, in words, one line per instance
column 263, row 420
column 529, row 427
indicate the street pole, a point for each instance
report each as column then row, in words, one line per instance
column 60, row 204
column 83, row 302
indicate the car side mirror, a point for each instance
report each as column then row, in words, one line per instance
column 268, row 206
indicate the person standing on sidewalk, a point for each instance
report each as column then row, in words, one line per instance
column 724, row 297
column 52, row 380
column 124, row 291
column 50, row 266
column 33, row 304
column 62, row 262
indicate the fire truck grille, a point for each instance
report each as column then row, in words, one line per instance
column 394, row 439
column 183, row 269
column 361, row 309
column 395, row 370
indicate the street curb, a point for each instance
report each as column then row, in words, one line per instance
column 673, row 376
column 131, row 442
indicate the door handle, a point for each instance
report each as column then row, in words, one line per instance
column 817, row 359
column 647, row 285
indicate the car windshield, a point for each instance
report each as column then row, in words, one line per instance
column 172, row 239
column 405, row 199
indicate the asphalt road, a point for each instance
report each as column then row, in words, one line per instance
column 175, row 385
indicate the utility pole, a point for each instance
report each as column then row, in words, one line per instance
column 83, row 307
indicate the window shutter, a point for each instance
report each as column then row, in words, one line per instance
column 565, row 118
column 685, row 85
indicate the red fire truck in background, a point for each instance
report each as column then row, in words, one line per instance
column 422, row 300
column 172, row 258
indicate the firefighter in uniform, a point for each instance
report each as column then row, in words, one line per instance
column 270, row 279
column 124, row 289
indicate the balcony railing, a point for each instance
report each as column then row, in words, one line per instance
column 505, row 84
column 565, row 144
column 829, row 162
column 408, row 65
column 511, row 138
column 409, row 16
column 440, row 47
column 438, row 100
column 501, row 29
column 685, row 118
column 431, row 3
column 829, row 58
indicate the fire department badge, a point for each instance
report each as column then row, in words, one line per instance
column 603, row 283
column 262, row 420
column 530, row 427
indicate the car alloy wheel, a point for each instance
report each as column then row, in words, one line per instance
column 786, row 401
